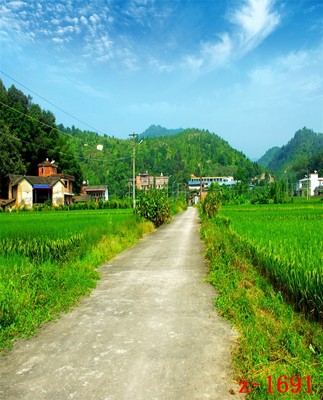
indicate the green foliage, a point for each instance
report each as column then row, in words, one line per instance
column 49, row 260
column 177, row 156
column 156, row 131
column 270, row 154
column 28, row 135
column 297, row 157
column 212, row 202
column 272, row 193
column 154, row 206
column 285, row 241
column 273, row 340
column 177, row 205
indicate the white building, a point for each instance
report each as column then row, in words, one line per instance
column 310, row 185
column 208, row 180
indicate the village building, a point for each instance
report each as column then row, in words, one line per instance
column 25, row 190
column 96, row 192
column 146, row 181
column 311, row 185
column 208, row 180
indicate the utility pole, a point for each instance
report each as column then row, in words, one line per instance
column 133, row 136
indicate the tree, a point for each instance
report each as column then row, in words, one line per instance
column 10, row 146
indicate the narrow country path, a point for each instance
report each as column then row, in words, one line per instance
column 147, row 332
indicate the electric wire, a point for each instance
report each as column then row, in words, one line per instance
column 49, row 102
column 55, row 128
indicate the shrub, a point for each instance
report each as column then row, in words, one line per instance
column 153, row 205
column 212, row 203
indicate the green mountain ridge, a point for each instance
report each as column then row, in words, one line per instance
column 265, row 160
column 29, row 135
column 192, row 151
column 301, row 155
column 157, row 131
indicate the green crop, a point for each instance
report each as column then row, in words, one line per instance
column 286, row 243
column 49, row 260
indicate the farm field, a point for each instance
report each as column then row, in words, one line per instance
column 48, row 261
column 286, row 242
column 268, row 278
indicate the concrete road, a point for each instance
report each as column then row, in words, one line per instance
column 148, row 331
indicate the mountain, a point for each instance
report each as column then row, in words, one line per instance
column 297, row 157
column 270, row 154
column 29, row 135
column 157, row 131
column 192, row 151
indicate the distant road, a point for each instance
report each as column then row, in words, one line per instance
column 147, row 332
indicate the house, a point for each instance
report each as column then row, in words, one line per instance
column 49, row 169
column 208, row 180
column 311, row 185
column 26, row 190
column 97, row 192
column 146, row 181
column 30, row 190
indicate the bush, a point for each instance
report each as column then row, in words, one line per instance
column 153, row 205
column 177, row 205
column 212, row 203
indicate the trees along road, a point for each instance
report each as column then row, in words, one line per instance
column 147, row 332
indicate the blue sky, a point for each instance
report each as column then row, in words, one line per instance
column 247, row 70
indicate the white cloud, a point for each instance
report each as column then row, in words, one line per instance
column 58, row 40
column 15, row 5
column 83, row 20
column 280, row 85
column 64, row 30
column 94, row 19
column 253, row 22
column 218, row 53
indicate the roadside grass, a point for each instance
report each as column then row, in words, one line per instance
column 274, row 340
column 43, row 272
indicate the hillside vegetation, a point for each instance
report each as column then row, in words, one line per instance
column 301, row 155
column 28, row 136
column 157, row 131
column 192, row 151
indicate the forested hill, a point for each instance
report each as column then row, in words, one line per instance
column 302, row 154
column 28, row 136
column 265, row 160
column 190, row 152
column 156, row 131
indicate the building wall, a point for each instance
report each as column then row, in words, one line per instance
column 58, row 194
column 145, row 181
column 314, row 182
column 47, row 170
column 161, row 181
column 24, row 196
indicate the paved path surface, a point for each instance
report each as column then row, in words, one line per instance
column 147, row 332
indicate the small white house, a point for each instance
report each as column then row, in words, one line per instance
column 97, row 192
column 310, row 185
column 30, row 190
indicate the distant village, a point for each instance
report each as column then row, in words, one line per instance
column 57, row 188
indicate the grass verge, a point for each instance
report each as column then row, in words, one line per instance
column 274, row 340
column 34, row 290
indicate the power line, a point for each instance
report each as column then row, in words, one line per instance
column 52, row 104
column 58, row 130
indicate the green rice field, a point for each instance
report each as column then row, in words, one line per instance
column 286, row 242
column 48, row 261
